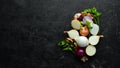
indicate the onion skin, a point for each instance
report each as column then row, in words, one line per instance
column 84, row 31
column 77, row 15
column 81, row 17
column 87, row 18
column 90, row 15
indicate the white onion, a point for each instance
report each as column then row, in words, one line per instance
column 73, row 34
column 93, row 40
column 95, row 29
column 90, row 50
column 82, row 41
column 75, row 24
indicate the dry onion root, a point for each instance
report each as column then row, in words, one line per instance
column 84, row 34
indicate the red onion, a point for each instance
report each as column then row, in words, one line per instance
column 80, row 52
column 87, row 18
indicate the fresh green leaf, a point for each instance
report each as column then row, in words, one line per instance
column 88, row 24
column 65, row 49
column 61, row 43
column 98, row 14
column 68, row 49
column 64, row 45
column 71, row 45
column 67, row 46
column 94, row 10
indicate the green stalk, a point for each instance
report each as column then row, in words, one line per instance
column 95, row 20
column 98, row 22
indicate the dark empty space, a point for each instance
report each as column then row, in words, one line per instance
column 31, row 29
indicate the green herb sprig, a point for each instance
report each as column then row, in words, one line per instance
column 67, row 46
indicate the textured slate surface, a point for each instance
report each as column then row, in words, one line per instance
column 31, row 29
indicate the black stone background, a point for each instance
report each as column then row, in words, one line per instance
column 31, row 29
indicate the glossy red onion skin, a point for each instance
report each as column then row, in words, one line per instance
column 80, row 52
column 87, row 18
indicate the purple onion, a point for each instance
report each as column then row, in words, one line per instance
column 87, row 18
column 80, row 52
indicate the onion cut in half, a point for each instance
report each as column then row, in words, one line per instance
column 95, row 29
column 93, row 40
column 73, row 34
column 90, row 50
column 87, row 18
column 76, row 24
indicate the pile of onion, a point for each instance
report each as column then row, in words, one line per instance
column 84, row 34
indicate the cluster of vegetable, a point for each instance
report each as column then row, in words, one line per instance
column 83, row 37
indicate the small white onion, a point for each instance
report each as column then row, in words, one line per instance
column 82, row 41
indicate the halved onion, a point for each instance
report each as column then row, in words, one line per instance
column 82, row 41
column 76, row 24
column 95, row 29
column 73, row 34
column 93, row 40
column 90, row 50
column 87, row 18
